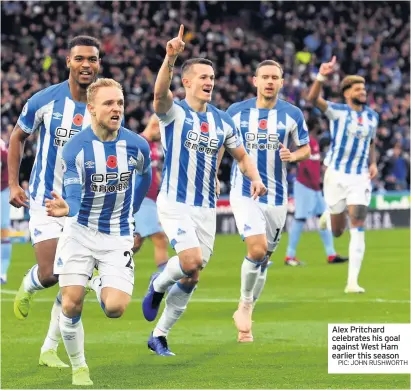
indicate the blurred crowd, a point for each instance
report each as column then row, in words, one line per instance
column 371, row 39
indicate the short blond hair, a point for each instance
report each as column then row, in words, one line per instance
column 349, row 81
column 269, row 63
column 100, row 83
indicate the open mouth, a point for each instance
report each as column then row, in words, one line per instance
column 115, row 118
column 207, row 89
column 85, row 73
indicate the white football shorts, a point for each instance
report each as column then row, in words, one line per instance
column 80, row 249
column 187, row 226
column 343, row 189
column 253, row 218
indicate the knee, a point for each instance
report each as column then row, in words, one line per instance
column 72, row 306
column 191, row 263
column 114, row 309
column 257, row 251
column 46, row 276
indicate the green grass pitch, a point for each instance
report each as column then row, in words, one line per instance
column 290, row 328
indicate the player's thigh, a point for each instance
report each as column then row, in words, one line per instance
column 205, row 226
column 146, row 219
column 5, row 209
column 175, row 218
column 42, row 227
column 73, row 258
column 116, row 267
column 359, row 191
column 275, row 220
column 248, row 216
column 304, row 200
column 335, row 191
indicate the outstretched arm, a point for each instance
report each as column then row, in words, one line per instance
column 163, row 97
column 315, row 91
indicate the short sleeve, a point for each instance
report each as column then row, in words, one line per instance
column 143, row 164
column 31, row 115
column 299, row 130
column 232, row 136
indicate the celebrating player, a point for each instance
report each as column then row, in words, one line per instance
column 192, row 132
column 100, row 166
column 57, row 112
column 351, row 163
column 309, row 202
column 5, row 215
column 146, row 219
column 266, row 124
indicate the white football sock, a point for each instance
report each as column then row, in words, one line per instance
column 53, row 335
column 250, row 271
column 258, row 288
column 176, row 304
column 31, row 280
column 72, row 332
column 356, row 254
column 171, row 274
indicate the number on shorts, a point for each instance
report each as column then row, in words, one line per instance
column 130, row 261
column 277, row 233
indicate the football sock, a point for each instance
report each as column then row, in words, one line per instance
column 327, row 238
column 171, row 274
column 31, row 280
column 5, row 255
column 250, row 270
column 259, row 286
column 53, row 335
column 73, row 336
column 176, row 304
column 356, row 254
column 295, row 233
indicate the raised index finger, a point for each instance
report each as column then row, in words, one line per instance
column 333, row 60
column 181, row 32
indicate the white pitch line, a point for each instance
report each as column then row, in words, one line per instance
column 228, row 300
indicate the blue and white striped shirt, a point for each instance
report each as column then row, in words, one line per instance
column 107, row 173
column 191, row 141
column 262, row 130
column 351, row 135
column 58, row 117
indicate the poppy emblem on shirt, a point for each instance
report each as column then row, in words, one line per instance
column 262, row 124
column 112, row 162
column 360, row 120
column 78, row 120
column 204, row 127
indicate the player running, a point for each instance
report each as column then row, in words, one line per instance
column 5, row 215
column 192, row 132
column 268, row 125
column 106, row 176
column 309, row 202
column 57, row 112
column 351, row 163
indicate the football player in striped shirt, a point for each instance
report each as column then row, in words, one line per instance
column 351, row 163
column 267, row 125
column 56, row 113
column 309, row 202
column 107, row 174
column 192, row 133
